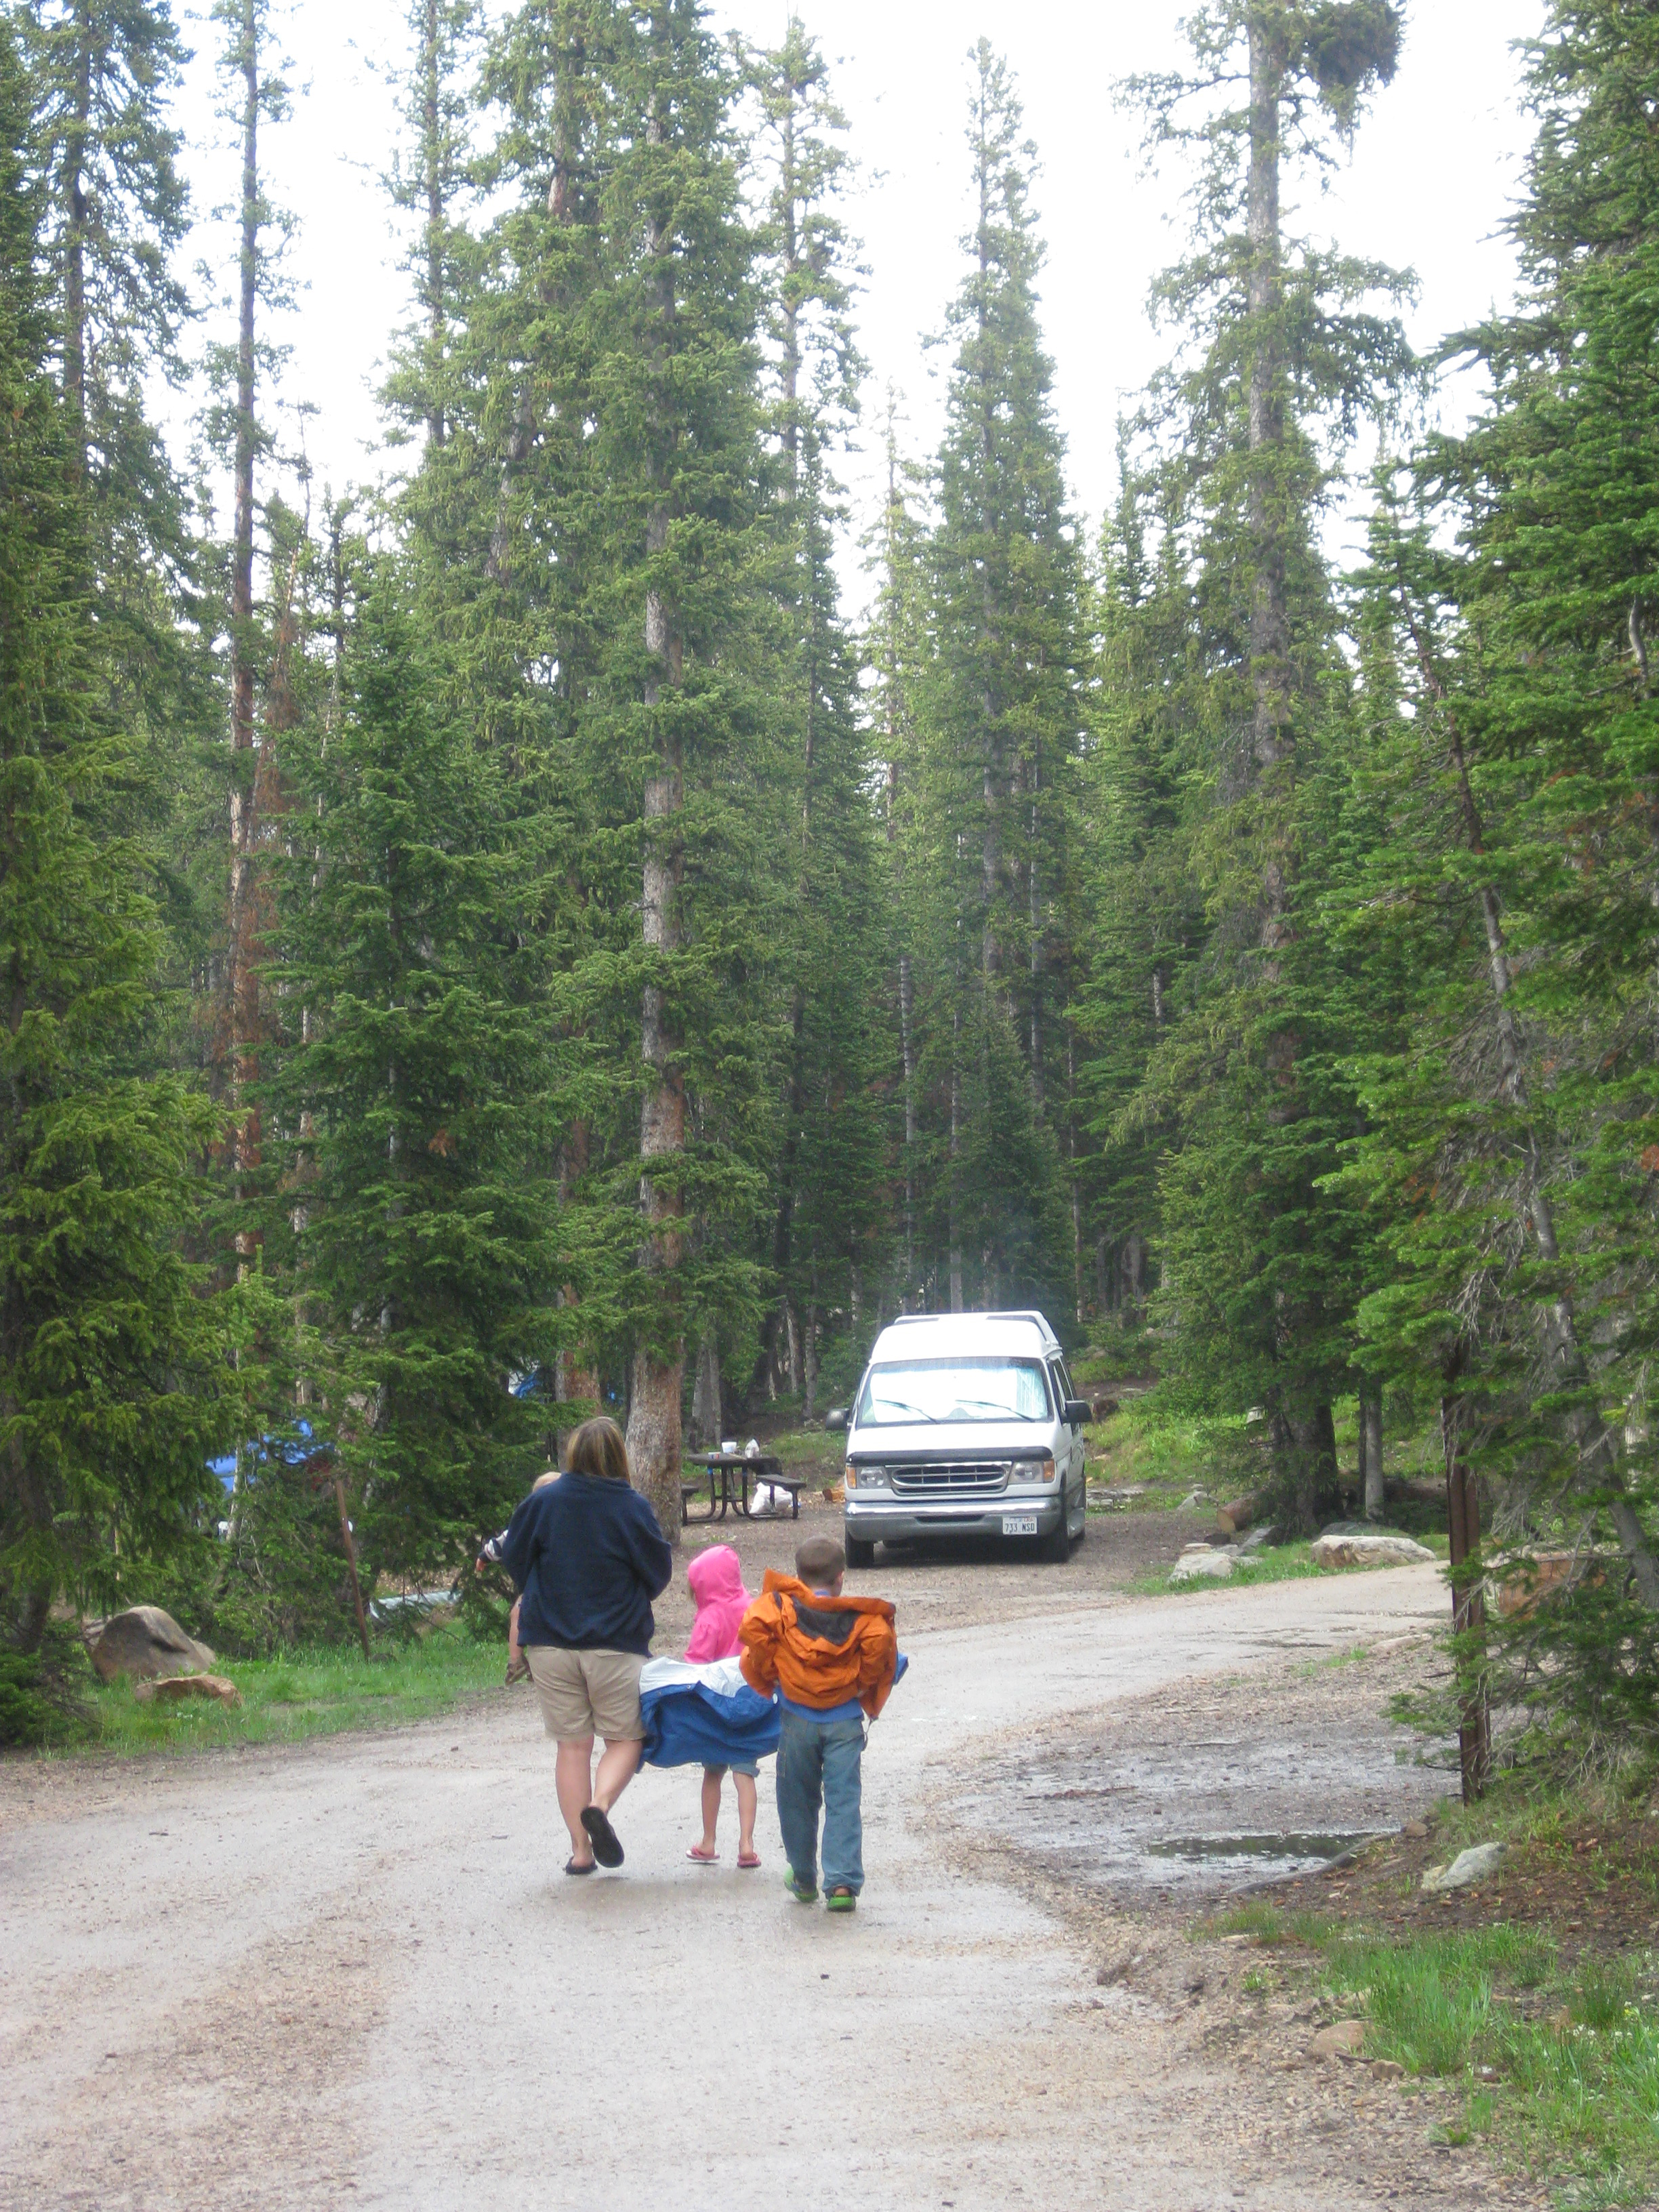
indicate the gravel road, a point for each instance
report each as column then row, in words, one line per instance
column 351, row 1972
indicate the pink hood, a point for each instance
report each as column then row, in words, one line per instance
column 716, row 1580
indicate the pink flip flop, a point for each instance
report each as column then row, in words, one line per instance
column 702, row 1858
column 752, row 1860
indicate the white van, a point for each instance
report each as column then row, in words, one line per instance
column 965, row 1425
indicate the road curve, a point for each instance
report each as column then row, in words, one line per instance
column 352, row 1973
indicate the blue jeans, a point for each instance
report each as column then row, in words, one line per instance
column 819, row 1764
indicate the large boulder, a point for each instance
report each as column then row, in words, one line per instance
column 1202, row 1563
column 147, row 1643
column 1366, row 1547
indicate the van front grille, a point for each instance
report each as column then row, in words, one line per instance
column 948, row 1477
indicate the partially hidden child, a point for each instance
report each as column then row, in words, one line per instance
column 716, row 1580
column 833, row 1659
column 518, row 1667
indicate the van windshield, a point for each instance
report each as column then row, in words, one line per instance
column 991, row 1390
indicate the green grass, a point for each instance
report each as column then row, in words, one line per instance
column 1558, row 2065
column 794, row 1447
column 1576, row 2055
column 303, row 1693
column 1273, row 1563
column 1171, row 1454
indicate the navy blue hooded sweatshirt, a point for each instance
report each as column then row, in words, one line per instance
column 589, row 1557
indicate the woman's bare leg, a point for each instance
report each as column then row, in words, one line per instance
column 573, row 1774
column 711, row 1778
column 618, row 1766
column 747, row 1798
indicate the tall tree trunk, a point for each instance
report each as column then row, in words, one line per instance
column 956, row 1159
column 706, row 1393
column 655, row 1444
column 1076, row 1188
column 1033, row 919
column 74, row 240
column 432, row 154
column 242, row 978
column 1269, row 627
column 1370, row 1432
column 908, row 1055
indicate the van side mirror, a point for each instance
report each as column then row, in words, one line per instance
column 1077, row 1411
column 836, row 1418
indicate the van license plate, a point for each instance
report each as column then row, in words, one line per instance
column 1020, row 1524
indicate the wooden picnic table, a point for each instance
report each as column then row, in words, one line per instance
column 728, row 1477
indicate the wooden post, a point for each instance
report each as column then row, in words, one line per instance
column 1468, row 1611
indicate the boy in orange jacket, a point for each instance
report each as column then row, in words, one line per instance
column 833, row 1660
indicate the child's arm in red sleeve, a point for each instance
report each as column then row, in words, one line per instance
column 757, row 1632
column 878, row 1663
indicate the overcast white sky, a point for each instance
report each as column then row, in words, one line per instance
column 1434, row 170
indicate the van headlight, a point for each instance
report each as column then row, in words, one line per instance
column 864, row 1477
column 1032, row 1470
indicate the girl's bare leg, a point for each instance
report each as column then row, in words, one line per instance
column 711, row 1778
column 514, row 1652
column 748, row 1796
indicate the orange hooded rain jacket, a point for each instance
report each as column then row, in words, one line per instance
column 818, row 1651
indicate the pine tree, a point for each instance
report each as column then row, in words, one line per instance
column 238, row 426
column 894, row 652
column 1147, row 738
column 115, row 1384
column 429, row 184
column 999, row 716
column 1522, row 847
column 829, row 1176
column 417, row 1211
column 592, row 531
column 102, row 75
column 1286, row 352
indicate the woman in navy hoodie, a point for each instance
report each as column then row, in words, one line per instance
column 588, row 1556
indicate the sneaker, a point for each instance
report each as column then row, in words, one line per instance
column 840, row 1900
column 804, row 1893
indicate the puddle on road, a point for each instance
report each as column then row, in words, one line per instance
column 1135, row 1806
column 1274, row 1857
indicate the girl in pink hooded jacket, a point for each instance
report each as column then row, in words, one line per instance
column 716, row 1580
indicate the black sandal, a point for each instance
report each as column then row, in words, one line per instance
column 603, row 1837
column 579, row 1866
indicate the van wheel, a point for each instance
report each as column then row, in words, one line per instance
column 1057, row 1547
column 858, row 1553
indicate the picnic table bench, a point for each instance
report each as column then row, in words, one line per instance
column 724, row 1479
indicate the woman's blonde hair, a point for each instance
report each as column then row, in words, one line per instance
column 597, row 1448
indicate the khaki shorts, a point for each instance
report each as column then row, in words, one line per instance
column 586, row 1693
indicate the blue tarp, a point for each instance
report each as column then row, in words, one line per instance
column 708, row 1716
column 293, row 1450
column 704, row 1715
